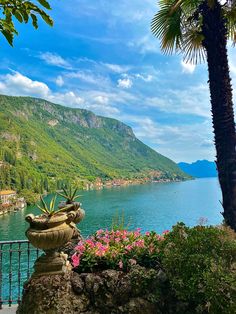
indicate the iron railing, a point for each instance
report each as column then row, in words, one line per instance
column 16, row 264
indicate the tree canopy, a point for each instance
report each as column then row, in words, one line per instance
column 22, row 11
column 178, row 24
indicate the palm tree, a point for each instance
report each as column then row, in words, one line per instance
column 200, row 29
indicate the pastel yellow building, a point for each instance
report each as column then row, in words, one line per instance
column 6, row 196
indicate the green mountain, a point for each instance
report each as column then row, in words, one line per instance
column 44, row 145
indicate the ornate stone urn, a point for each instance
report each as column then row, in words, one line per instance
column 49, row 233
column 73, row 206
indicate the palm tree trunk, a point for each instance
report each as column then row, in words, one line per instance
column 215, row 43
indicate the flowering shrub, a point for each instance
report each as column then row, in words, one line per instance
column 117, row 249
column 199, row 264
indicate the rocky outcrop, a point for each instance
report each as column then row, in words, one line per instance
column 105, row 292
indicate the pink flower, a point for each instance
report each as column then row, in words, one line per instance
column 166, row 231
column 80, row 247
column 139, row 243
column 147, row 233
column 136, row 233
column 101, row 249
column 128, row 247
column 120, row 264
column 75, row 260
column 90, row 243
column 106, row 240
column 100, row 231
column 99, row 253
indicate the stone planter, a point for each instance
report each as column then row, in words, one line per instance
column 74, row 206
column 49, row 234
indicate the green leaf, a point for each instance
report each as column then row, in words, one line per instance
column 25, row 15
column 43, row 202
column 9, row 36
column 74, row 193
column 47, row 19
column 45, row 4
column 42, row 209
column 18, row 16
column 62, row 195
column 34, row 20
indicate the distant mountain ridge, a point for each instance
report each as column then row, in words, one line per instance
column 199, row 168
column 44, row 145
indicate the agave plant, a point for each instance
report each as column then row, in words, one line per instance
column 50, row 209
column 69, row 194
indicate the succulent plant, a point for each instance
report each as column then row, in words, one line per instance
column 69, row 194
column 50, row 209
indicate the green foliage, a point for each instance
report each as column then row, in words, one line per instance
column 200, row 264
column 21, row 11
column 118, row 222
column 197, row 265
column 178, row 24
column 79, row 148
column 29, row 196
column 69, row 194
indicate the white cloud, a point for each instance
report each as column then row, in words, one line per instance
column 100, row 102
column 54, row 59
column 69, row 99
column 117, row 68
column 101, row 99
column 145, row 44
column 188, row 67
column 59, row 81
column 125, row 83
column 18, row 84
column 194, row 101
column 90, row 78
column 147, row 78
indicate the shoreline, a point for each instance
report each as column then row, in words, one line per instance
column 97, row 185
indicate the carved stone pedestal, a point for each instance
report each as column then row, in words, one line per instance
column 51, row 264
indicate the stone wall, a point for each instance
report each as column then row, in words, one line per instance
column 105, row 292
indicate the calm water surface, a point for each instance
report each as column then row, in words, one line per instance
column 155, row 206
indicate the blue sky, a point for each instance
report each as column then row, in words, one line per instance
column 101, row 55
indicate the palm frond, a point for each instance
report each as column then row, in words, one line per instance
column 230, row 16
column 192, row 47
column 178, row 25
column 166, row 25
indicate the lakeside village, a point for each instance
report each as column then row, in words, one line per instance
column 100, row 184
column 10, row 201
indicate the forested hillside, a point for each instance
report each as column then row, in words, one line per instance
column 43, row 145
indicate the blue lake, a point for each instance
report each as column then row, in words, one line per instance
column 155, row 206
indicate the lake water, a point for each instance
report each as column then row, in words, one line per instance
column 155, row 206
